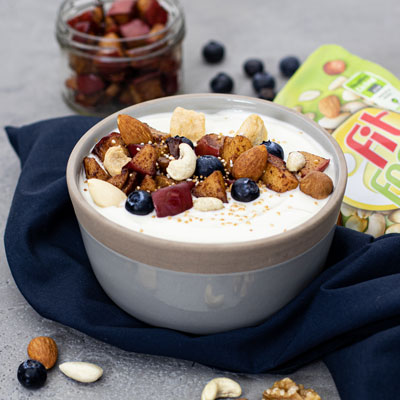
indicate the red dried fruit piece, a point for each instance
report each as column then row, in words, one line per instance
column 152, row 12
column 134, row 28
column 173, row 146
column 101, row 147
column 134, row 149
column 313, row 163
column 89, row 84
column 144, row 161
column 122, row 10
column 173, row 200
column 85, row 16
column 210, row 144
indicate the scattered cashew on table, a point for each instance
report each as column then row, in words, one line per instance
column 219, row 388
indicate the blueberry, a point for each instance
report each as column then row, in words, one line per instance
column 245, row 189
column 139, row 202
column 184, row 139
column 221, row 83
column 289, row 66
column 32, row 374
column 252, row 66
column 274, row 148
column 206, row 165
column 263, row 80
column 267, row 94
column 213, row 52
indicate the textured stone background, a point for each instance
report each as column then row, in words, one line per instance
column 30, row 90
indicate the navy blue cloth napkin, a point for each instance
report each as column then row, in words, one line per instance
column 349, row 316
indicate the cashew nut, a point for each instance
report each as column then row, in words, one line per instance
column 105, row 194
column 254, row 129
column 208, row 204
column 296, row 161
column 114, row 159
column 221, row 387
column 184, row 167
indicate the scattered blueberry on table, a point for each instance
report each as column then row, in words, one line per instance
column 274, row 148
column 222, row 83
column 252, row 66
column 263, row 80
column 213, row 52
column 289, row 65
column 245, row 190
column 139, row 202
column 32, row 374
column 206, row 165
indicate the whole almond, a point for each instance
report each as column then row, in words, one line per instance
column 251, row 164
column 44, row 350
column 132, row 130
column 329, row 106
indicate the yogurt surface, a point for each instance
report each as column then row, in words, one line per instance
column 270, row 214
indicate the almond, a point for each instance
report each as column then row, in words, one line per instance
column 251, row 164
column 329, row 106
column 132, row 130
column 44, row 350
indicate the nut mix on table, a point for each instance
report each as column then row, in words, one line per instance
column 148, row 169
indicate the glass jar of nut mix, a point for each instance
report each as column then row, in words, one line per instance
column 118, row 53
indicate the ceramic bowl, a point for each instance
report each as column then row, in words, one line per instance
column 205, row 288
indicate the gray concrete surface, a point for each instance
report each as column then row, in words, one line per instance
column 29, row 91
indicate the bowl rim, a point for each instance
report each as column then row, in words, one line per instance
column 205, row 257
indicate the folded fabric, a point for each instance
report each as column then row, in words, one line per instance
column 349, row 316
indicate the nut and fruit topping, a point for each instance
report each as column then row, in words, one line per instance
column 166, row 174
column 286, row 389
column 81, row 371
column 32, row 374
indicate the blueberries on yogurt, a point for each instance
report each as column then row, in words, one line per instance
column 206, row 165
column 221, row 83
column 139, row 202
column 274, row 148
column 213, row 52
column 32, row 374
column 245, row 190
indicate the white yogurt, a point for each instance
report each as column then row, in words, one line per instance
column 272, row 213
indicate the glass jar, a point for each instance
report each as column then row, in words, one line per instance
column 105, row 66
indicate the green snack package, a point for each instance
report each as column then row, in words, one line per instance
column 358, row 102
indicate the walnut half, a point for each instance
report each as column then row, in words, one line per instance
column 286, row 389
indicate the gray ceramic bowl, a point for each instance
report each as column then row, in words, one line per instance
column 202, row 288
